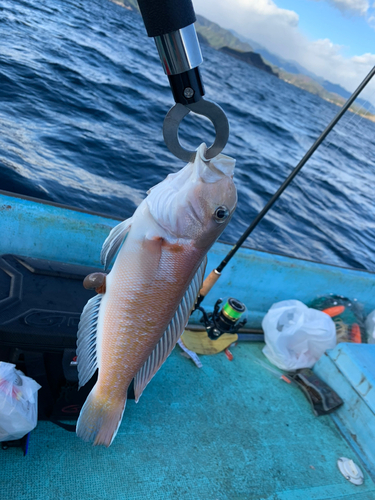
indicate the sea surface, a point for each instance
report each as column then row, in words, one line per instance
column 82, row 102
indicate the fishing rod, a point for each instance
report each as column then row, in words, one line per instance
column 212, row 278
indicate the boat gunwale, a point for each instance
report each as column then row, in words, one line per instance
column 111, row 217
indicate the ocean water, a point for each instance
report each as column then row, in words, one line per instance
column 82, row 101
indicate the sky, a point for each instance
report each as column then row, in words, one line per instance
column 335, row 39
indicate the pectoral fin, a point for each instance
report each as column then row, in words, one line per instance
column 175, row 328
column 86, row 340
column 114, row 241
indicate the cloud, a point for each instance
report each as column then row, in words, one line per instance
column 325, row 58
column 277, row 30
column 366, row 60
column 359, row 7
column 267, row 8
column 253, row 11
column 248, row 17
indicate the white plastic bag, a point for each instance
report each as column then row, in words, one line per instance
column 18, row 403
column 296, row 336
column 370, row 327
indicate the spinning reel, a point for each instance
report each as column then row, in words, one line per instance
column 227, row 319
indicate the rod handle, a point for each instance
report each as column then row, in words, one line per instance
column 209, row 282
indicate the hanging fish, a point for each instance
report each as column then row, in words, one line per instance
column 129, row 330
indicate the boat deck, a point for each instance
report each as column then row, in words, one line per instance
column 230, row 430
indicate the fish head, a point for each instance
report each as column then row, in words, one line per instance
column 197, row 202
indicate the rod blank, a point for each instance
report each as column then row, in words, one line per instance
column 205, row 288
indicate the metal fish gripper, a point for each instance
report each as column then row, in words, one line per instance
column 171, row 24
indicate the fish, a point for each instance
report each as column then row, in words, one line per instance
column 129, row 330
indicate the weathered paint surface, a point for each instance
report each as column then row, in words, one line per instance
column 257, row 278
column 226, row 431
column 349, row 370
column 46, row 231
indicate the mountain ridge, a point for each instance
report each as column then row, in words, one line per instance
column 296, row 68
column 240, row 47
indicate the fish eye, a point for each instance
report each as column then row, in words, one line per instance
column 221, row 213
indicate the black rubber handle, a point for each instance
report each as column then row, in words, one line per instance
column 164, row 16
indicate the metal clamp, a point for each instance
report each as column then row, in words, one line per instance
column 179, row 51
column 203, row 107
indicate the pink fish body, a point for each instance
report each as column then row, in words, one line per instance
column 129, row 331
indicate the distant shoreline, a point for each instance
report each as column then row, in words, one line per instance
column 223, row 40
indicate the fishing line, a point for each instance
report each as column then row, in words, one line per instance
column 215, row 274
column 356, row 123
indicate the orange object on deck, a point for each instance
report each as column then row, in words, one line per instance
column 355, row 334
column 228, row 354
column 334, row 311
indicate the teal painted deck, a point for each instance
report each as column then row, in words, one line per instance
column 229, row 431
column 350, row 370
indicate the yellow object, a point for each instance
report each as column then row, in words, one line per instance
column 199, row 342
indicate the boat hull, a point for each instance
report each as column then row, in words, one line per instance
column 42, row 230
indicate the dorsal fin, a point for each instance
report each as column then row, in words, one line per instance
column 87, row 361
column 173, row 332
column 113, row 241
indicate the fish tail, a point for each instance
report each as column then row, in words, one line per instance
column 100, row 419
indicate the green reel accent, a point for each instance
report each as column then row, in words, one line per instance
column 233, row 309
